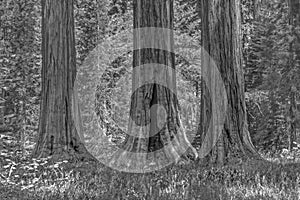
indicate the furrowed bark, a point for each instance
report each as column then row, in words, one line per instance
column 59, row 134
column 155, row 134
column 221, row 40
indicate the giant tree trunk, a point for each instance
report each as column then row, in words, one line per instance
column 58, row 131
column 155, row 136
column 221, row 41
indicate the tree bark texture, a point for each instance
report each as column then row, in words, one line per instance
column 221, row 40
column 155, row 134
column 294, row 62
column 58, row 127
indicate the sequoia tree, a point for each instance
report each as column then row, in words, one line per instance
column 155, row 135
column 59, row 121
column 221, row 41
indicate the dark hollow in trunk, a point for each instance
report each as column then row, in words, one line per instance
column 155, row 134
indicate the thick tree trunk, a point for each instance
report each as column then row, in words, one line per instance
column 155, row 134
column 58, row 131
column 221, row 41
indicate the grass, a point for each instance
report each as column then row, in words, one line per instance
column 43, row 179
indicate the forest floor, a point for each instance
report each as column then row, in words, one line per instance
column 251, row 180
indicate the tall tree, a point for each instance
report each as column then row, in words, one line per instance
column 155, row 135
column 221, row 41
column 58, row 134
column 294, row 65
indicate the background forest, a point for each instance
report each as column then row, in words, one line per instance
column 271, row 53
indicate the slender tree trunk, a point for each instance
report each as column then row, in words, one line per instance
column 58, row 131
column 293, row 113
column 221, row 40
column 294, row 62
column 1, row 113
column 155, row 135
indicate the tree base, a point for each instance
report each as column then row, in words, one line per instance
column 76, row 155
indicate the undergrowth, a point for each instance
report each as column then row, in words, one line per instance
column 44, row 179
